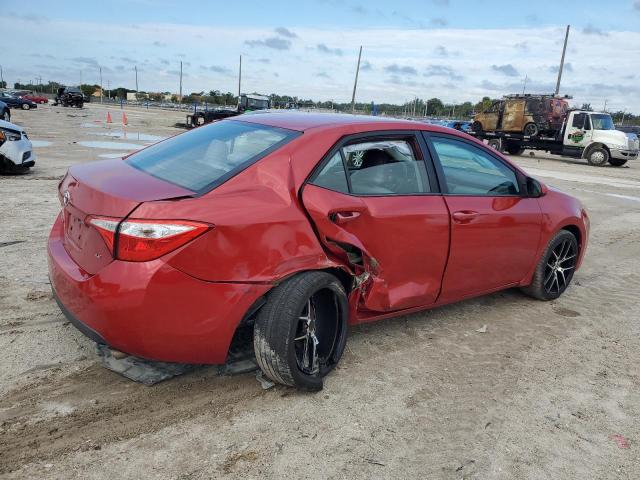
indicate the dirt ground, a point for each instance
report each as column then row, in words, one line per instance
column 550, row 391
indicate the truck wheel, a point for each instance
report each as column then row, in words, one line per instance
column 616, row 162
column 495, row 143
column 476, row 127
column 530, row 129
column 598, row 157
column 300, row 333
column 514, row 149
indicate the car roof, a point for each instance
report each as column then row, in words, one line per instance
column 302, row 121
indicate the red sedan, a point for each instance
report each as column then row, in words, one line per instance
column 36, row 98
column 298, row 225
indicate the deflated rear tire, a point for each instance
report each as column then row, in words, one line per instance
column 301, row 331
column 556, row 268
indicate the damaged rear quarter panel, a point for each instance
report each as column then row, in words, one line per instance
column 274, row 241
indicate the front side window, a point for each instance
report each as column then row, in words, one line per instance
column 578, row 120
column 200, row 158
column 377, row 167
column 469, row 170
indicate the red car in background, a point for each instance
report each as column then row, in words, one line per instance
column 34, row 97
column 297, row 225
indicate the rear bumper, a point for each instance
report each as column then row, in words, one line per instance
column 149, row 309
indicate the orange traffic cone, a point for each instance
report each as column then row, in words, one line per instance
column 108, row 117
column 124, row 118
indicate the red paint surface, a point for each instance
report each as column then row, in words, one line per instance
column 418, row 251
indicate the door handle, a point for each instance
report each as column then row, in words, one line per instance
column 464, row 216
column 342, row 217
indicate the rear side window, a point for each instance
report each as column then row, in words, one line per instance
column 380, row 167
column 207, row 156
column 469, row 170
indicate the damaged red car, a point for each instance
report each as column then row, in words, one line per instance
column 296, row 226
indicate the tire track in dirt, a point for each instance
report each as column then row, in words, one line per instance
column 45, row 420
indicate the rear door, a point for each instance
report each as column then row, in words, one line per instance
column 375, row 203
column 513, row 116
column 495, row 230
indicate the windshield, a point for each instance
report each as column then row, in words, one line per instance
column 205, row 157
column 602, row 122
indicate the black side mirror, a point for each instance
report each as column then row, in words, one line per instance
column 535, row 189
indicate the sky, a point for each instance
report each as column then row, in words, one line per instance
column 456, row 50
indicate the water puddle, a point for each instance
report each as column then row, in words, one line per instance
column 112, row 145
column 130, row 135
column 40, row 143
column 90, row 125
column 110, row 155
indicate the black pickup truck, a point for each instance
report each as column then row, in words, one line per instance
column 248, row 103
column 69, row 97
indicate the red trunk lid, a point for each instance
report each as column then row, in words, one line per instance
column 108, row 188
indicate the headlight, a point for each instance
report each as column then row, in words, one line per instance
column 11, row 135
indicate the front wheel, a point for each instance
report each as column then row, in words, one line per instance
column 555, row 270
column 617, row 162
column 476, row 127
column 301, row 331
column 6, row 116
column 26, row 106
column 598, row 157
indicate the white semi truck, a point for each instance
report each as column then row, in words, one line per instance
column 584, row 134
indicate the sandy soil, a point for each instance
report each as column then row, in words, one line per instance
column 542, row 394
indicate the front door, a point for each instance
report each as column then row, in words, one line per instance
column 579, row 132
column 375, row 205
column 495, row 230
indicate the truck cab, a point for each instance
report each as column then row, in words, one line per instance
column 251, row 102
column 594, row 137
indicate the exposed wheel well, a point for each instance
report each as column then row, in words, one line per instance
column 587, row 151
column 575, row 231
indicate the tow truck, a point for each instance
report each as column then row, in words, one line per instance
column 583, row 134
column 247, row 103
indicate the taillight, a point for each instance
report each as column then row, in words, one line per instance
column 106, row 228
column 142, row 240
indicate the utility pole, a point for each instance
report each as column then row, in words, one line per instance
column 136, row 69
column 100, row 84
column 564, row 49
column 525, row 84
column 355, row 84
column 109, row 88
column 1, row 76
column 180, row 96
column 604, row 109
column 623, row 114
column 239, row 79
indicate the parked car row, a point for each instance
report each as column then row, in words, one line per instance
column 14, row 101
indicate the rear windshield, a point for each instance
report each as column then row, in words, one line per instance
column 203, row 158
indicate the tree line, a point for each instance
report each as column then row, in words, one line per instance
column 418, row 107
